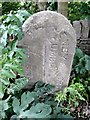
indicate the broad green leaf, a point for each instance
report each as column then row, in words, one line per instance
column 21, row 53
column 1, row 95
column 2, row 115
column 16, row 105
column 76, row 103
column 14, row 117
column 26, row 99
column 81, row 98
column 40, row 110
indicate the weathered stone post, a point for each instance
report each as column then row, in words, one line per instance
column 50, row 42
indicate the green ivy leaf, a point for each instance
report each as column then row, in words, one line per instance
column 22, row 14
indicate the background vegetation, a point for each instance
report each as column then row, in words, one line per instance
column 76, row 10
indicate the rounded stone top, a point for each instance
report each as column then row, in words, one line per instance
column 46, row 19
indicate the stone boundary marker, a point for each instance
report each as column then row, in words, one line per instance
column 49, row 40
column 82, row 29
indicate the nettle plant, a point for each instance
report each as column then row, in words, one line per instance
column 11, row 57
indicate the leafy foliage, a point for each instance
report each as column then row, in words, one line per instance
column 30, row 6
column 81, row 62
column 73, row 90
column 8, row 6
column 32, row 104
column 78, row 10
column 11, row 27
column 72, row 93
column 11, row 59
column 81, row 70
column 71, row 98
column 40, row 110
column 19, row 108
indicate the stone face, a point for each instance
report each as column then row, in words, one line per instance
column 50, row 43
column 77, row 27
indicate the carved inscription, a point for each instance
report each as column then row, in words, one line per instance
column 49, row 58
column 65, row 44
column 52, row 63
column 53, row 53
